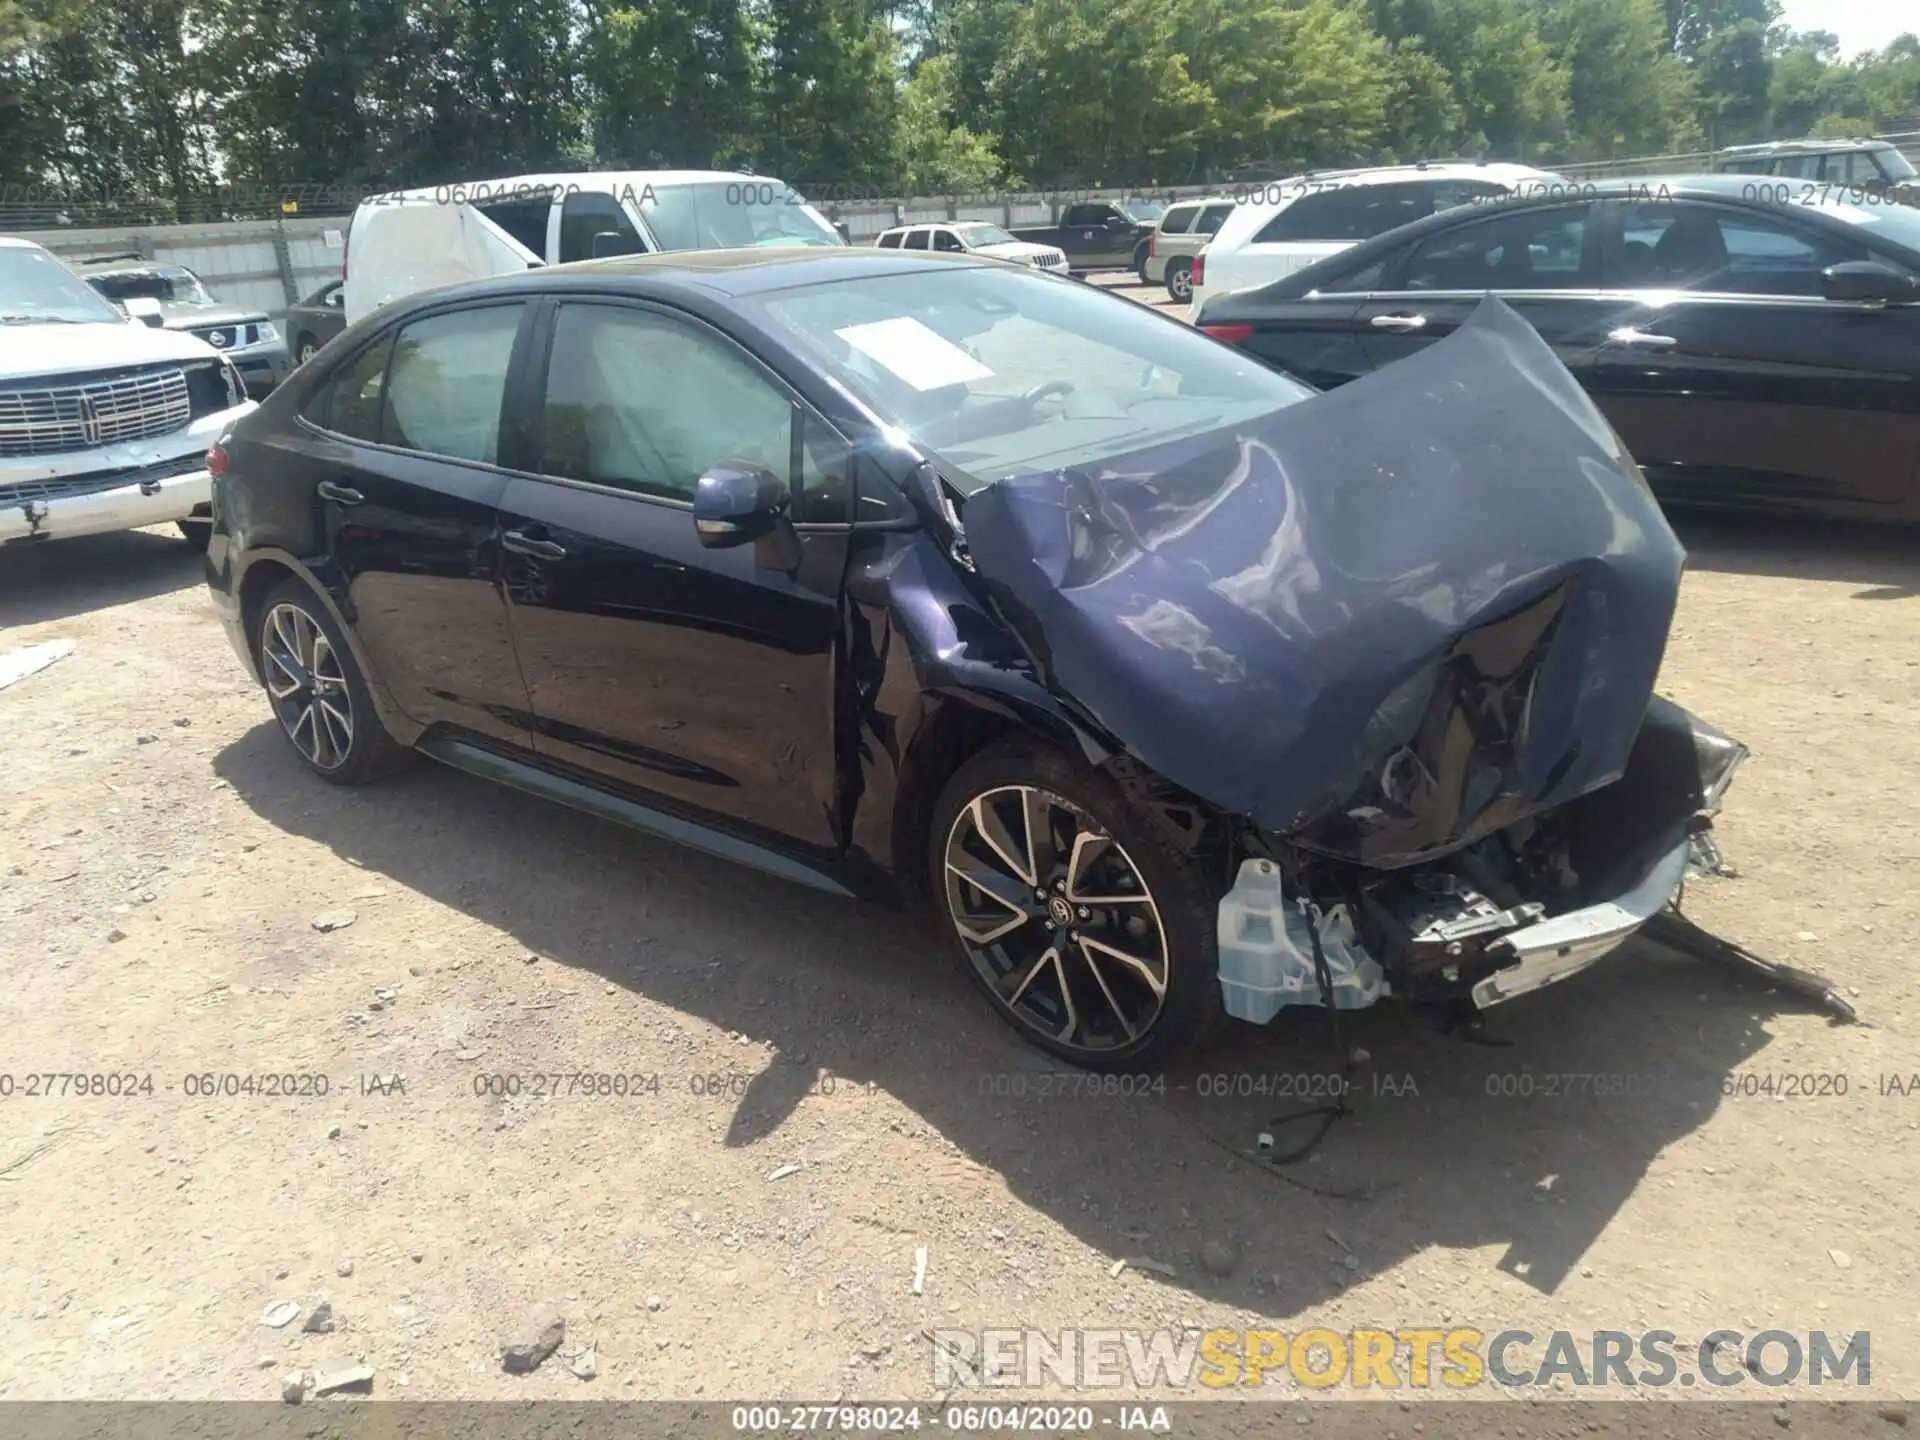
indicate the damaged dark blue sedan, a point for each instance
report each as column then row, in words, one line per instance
column 1175, row 688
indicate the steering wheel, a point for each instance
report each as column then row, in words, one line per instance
column 1042, row 391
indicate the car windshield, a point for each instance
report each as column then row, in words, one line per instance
column 725, row 214
column 975, row 235
column 1882, row 219
column 173, row 284
column 1005, row 372
column 35, row 288
column 1143, row 211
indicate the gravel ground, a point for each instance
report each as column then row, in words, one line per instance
column 820, row 1096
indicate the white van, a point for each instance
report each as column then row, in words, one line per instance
column 413, row 239
column 1286, row 225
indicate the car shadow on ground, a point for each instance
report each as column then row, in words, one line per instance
column 49, row 580
column 1532, row 1146
column 1884, row 559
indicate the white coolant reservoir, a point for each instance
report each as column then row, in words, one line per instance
column 1266, row 951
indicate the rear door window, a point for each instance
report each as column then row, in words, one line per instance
column 446, row 381
column 916, row 240
column 1179, row 220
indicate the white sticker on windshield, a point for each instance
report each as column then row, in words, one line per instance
column 916, row 354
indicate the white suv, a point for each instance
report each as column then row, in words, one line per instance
column 104, row 421
column 1286, row 225
column 975, row 237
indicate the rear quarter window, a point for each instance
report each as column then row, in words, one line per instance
column 1178, row 220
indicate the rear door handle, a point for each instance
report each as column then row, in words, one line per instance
column 1640, row 339
column 522, row 543
column 339, row 494
column 1398, row 322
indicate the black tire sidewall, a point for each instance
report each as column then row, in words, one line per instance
column 373, row 752
column 1180, row 267
column 1192, row 1008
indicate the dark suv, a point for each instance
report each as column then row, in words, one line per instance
column 1176, row 688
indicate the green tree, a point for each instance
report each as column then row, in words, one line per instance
column 828, row 93
column 1508, row 93
column 1627, row 92
column 1725, row 45
column 1290, row 83
column 937, row 156
column 672, row 82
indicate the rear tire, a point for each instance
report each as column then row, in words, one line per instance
column 1085, row 929
column 197, row 534
column 1180, row 280
column 317, row 692
column 304, row 349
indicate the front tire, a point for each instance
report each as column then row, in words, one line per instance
column 1180, row 281
column 1085, row 929
column 197, row 534
column 317, row 691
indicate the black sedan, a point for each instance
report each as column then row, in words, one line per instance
column 1174, row 688
column 1755, row 342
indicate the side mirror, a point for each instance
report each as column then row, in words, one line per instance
column 1869, row 282
column 609, row 242
column 146, row 310
column 735, row 503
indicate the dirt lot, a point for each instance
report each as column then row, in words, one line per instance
column 165, row 861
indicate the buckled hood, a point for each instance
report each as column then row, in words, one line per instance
column 1383, row 622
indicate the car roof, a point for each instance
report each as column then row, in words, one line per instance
column 577, row 180
column 1807, row 147
column 728, row 273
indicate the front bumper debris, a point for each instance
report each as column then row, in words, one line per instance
column 1551, row 950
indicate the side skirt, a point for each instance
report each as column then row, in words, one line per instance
column 506, row 770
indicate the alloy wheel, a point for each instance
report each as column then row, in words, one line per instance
column 1056, row 918
column 1180, row 283
column 308, row 350
column 307, row 685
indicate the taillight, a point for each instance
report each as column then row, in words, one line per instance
column 1153, row 243
column 1232, row 334
column 216, row 460
column 1199, row 269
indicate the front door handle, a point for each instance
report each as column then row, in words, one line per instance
column 1398, row 322
column 524, row 544
column 339, row 494
column 1640, row 339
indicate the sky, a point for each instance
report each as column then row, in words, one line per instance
column 1860, row 24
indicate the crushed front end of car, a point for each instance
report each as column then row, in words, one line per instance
column 1388, row 657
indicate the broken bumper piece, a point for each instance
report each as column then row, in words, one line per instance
column 1551, row 950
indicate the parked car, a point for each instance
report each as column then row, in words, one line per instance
column 1829, row 169
column 973, row 237
column 243, row 333
column 1099, row 234
column 928, row 577
column 317, row 319
column 104, row 422
column 414, row 239
column 1749, row 353
column 1285, row 225
column 1182, row 231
